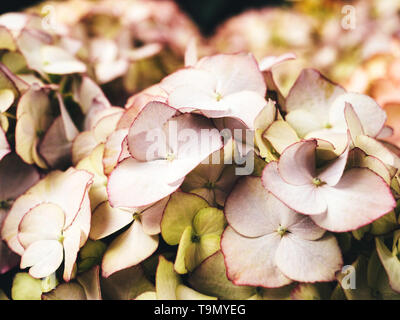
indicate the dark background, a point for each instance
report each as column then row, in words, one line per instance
column 206, row 13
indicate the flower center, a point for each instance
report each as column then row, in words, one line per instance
column 328, row 125
column 281, row 230
column 170, row 157
column 218, row 96
column 318, row 182
column 61, row 238
column 209, row 185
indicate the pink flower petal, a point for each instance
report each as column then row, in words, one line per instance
column 234, row 73
column 107, row 220
column 43, row 222
column 309, row 261
column 44, row 257
column 304, row 199
column 297, row 163
column 129, row 249
column 254, row 267
column 314, row 93
column 360, row 197
column 134, row 184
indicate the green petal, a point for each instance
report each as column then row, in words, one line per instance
column 209, row 221
column 186, row 293
column 178, row 214
column 210, row 278
column 25, row 287
column 167, row 280
column 361, row 291
column 311, row 291
column 378, row 280
column 184, row 244
column 90, row 255
column 66, row 291
column 390, row 262
column 384, row 225
column 126, row 284
column 197, row 252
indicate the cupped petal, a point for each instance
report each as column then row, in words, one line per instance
column 189, row 76
column 192, row 97
column 56, row 60
column 281, row 135
column 304, row 199
column 135, row 184
column 377, row 149
column 107, row 220
column 250, row 261
column 244, row 105
column 234, row 73
column 146, row 128
column 9, row 231
column 43, row 222
column 309, row 261
column 128, row 249
column 333, row 171
column 371, row 115
column 360, row 197
column 297, row 163
column 314, row 93
column 43, row 257
column 151, row 217
column 303, row 122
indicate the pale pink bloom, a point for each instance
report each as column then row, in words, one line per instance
column 336, row 199
column 164, row 147
column 315, row 109
column 269, row 245
column 50, row 223
column 219, row 86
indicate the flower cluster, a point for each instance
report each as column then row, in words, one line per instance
column 208, row 182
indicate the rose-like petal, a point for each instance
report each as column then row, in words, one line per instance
column 255, row 267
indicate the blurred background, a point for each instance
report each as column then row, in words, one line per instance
column 206, row 13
